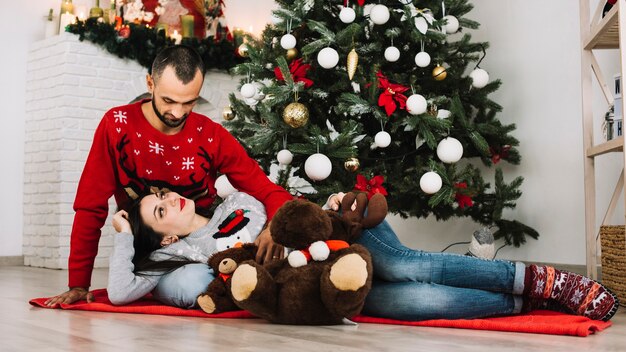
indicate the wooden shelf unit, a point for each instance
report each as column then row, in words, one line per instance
column 599, row 33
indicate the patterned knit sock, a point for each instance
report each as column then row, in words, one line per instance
column 531, row 304
column 578, row 293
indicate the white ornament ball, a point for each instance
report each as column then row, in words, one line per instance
column 347, row 15
column 258, row 91
column 422, row 59
column 284, row 157
column 288, row 41
column 317, row 167
column 452, row 26
column 382, row 139
column 328, row 58
column 248, row 90
column 251, row 101
column 392, row 54
column 450, row 150
column 479, row 77
column 430, row 182
column 379, row 14
column 223, row 187
column 416, row 104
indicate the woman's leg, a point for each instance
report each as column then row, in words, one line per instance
column 181, row 287
column 422, row 301
column 395, row 262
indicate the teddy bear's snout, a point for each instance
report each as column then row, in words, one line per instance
column 228, row 266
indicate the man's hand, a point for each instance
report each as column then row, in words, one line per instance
column 268, row 249
column 72, row 295
column 120, row 222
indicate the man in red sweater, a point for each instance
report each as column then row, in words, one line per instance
column 160, row 144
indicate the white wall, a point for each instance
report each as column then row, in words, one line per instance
column 534, row 49
column 21, row 24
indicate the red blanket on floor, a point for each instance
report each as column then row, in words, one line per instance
column 539, row 322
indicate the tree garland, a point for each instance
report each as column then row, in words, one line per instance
column 142, row 43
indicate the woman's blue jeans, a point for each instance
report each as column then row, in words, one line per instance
column 416, row 285
column 181, row 287
column 408, row 284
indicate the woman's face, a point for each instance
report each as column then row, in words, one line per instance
column 168, row 213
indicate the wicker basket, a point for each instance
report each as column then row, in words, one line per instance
column 613, row 241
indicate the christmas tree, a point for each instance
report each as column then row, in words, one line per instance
column 385, row 97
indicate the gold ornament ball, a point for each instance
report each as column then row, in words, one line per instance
column 291, row 54
column 352, row 164
column 228, row 113
column 242, row 50
column 439, row 73
column 296, row 115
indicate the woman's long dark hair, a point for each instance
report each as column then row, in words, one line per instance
column 146, row 241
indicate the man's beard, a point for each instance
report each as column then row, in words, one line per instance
column 165, row 120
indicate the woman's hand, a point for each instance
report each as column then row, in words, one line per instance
column 72, row 295
column 120, row 222
column 334, row 202
column 268, row 249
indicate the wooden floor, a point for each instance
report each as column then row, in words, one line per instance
column 26, row 328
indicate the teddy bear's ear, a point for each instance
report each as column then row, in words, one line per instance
column 214, row 260
column 251, row 249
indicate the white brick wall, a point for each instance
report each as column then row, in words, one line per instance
column 70, row 84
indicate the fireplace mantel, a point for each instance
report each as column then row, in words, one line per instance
column 70, row 85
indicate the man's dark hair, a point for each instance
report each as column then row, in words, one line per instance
column 184, row 59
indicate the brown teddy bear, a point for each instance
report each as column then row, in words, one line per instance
column 217, row 297
column 325, row 290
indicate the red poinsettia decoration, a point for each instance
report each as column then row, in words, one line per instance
column 371, row 186
column 361, row 2
column 464, row 200
column 124, row 32
column 498, row 153
column 298, row 72
column 392, row 95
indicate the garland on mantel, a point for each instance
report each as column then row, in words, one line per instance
column 141, row 43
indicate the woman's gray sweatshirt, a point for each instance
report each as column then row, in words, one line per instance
column 222, row 231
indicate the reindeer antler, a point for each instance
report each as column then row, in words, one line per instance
column 354, row 207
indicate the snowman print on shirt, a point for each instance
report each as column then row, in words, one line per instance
column 232, row 232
